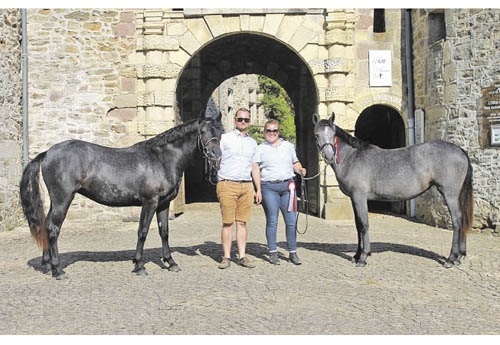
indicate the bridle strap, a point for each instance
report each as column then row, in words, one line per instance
column 203, row 146
column 323, row 155
column 335, row 149
column 212, row 162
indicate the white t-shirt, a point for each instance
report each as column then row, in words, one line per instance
column 276, row 162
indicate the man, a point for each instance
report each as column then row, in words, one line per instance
column 235, row 189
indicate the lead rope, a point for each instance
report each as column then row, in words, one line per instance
column 304, row 201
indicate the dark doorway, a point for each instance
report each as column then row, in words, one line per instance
column 382, row 126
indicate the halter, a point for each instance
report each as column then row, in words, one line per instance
column 212, row 162
column 203, row 146
column 335, row 148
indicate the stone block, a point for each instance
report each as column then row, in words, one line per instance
column 124, row 29
column 127, row 17
column 216, row 25
column 288, row 27
column 125, row 101
column 136, row 58
column 232, row 23
column 160, row 43
column 123, row 114
column 93, row 26
column 155, row 98
column 198, row 30
column 339, row 94
column 158, row 70
column 450, row 92
column 128, row 84
column 190, row 43
column 302, row 37
column 257, row 23
column 245, row 22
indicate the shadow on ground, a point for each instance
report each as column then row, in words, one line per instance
column 213, row 250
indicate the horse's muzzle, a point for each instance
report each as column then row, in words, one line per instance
column 325, row 155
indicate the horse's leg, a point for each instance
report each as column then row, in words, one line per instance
column 360, row 207
column 57, row 213
column 147, row 213
column 162, row 218
column 458, row 243
column 46, row 268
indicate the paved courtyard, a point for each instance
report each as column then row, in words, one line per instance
column 403, row 289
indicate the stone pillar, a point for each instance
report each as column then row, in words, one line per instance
column 339, row 92
column 157, row 77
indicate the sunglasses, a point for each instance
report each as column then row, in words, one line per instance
column 272, row 130
column 243, row 119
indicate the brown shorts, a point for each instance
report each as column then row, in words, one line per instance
column 236, row 200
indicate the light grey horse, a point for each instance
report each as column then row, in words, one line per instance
column 366, row 172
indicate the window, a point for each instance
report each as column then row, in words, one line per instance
column 378, row 20
column 437, row 27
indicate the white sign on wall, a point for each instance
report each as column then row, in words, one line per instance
column 380, row 63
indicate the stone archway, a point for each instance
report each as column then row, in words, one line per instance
column 249, row 53
column 383, row 126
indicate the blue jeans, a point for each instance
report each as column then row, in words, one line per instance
column 275, row 197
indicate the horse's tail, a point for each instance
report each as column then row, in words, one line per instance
column 31, row 201
column 466, row 200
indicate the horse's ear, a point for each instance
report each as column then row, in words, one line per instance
column 315, row 119
column 332, row 118
column 203, row 116
column 218, row 118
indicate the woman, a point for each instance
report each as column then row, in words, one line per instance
column 274, row 166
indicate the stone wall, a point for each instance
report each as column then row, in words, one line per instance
column 81, row 85
column 10, row 117
column 451, row 75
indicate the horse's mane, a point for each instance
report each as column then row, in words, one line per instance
column 355, row 142
column 173, row 134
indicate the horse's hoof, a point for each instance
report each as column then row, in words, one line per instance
column 62, row 277
column 141, row 272
column 360, row 264
column 46, row 269
column 448, row 264
column 174, row 268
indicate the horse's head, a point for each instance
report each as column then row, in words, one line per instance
column 209, row 135
column 324, row 133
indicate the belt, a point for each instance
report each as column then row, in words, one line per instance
column 237, row 181
column 278, row 181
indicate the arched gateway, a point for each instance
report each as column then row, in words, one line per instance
column 250, row 53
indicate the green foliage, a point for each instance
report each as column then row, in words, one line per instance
column 257, row 133
column 278, row 106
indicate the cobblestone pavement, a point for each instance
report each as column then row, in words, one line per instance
column 402, row 290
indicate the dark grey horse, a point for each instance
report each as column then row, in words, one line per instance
column 367, row 172
column 146, row 174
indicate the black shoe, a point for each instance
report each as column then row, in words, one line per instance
column 273, row 258
column 295, row 259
